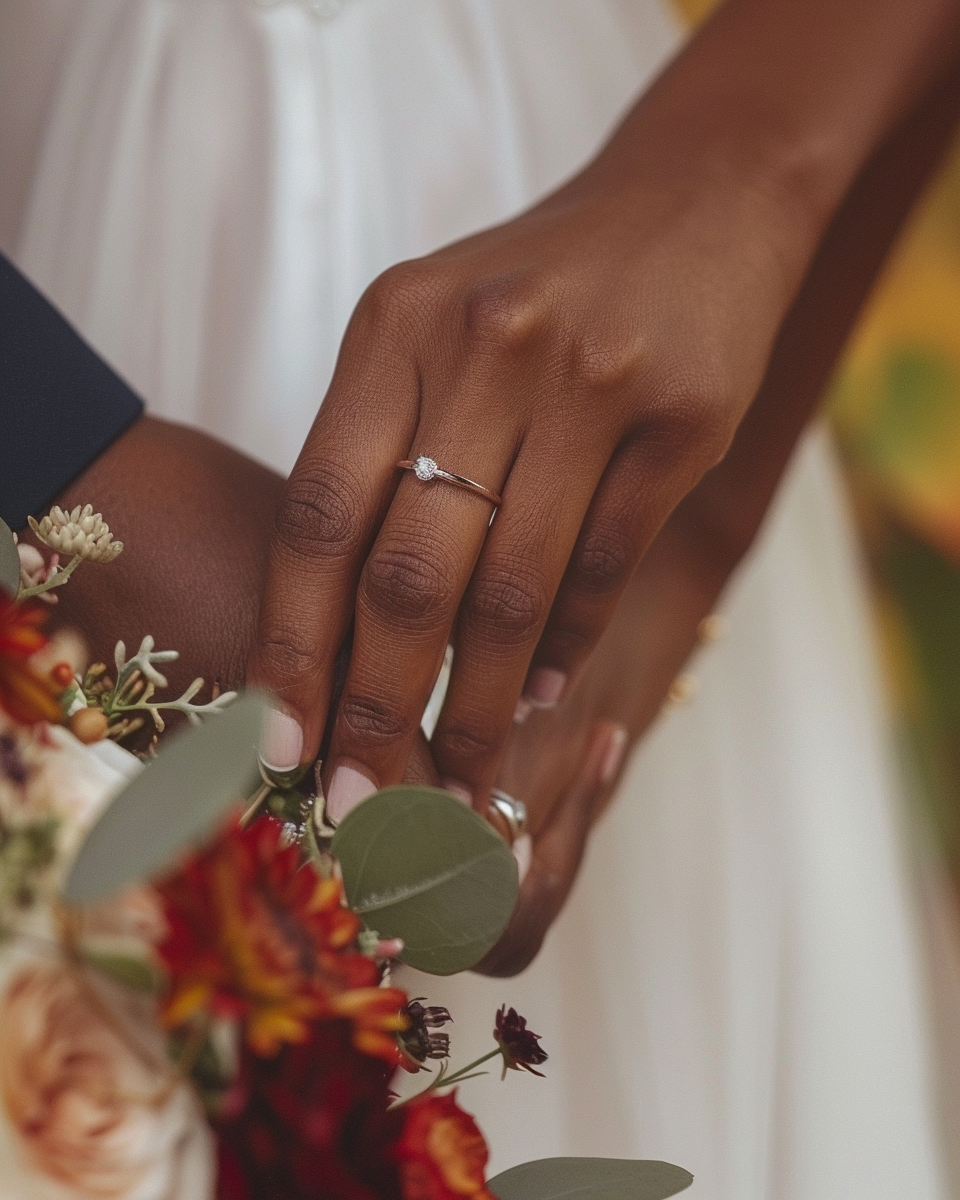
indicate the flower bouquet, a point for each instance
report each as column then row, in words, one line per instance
column 195, row 968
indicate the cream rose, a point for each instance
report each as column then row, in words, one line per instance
column 89, row 1108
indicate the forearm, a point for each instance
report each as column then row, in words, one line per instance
column 782, row 103
column 689, row 564
column 828, row 304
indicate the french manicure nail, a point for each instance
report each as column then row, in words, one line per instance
column 613, row 755
column 389, row 948
column 523, row 853
column 348, row 788
column 522, row 711
column 281, row 742
column 545, row 686
column 461, row 791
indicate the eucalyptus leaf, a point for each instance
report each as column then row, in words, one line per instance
column 9, row 561
column 132, row 972
column 171, row 804
column 590, row 1179
column 419, row 865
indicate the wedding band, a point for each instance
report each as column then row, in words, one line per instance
column 514, row 812
column 426, row 470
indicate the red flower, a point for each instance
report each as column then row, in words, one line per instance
column 257, row 936
column 519, row 1045
column 25, row 695
column 442, row 1153
column 312, row 1123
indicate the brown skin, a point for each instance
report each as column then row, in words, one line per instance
column 682, row 575
column 591, row 360
column 186, row 490
column 196, row 518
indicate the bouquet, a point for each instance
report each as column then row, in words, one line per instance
column 195, row 968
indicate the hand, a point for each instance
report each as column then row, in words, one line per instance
column 589, row 361
column 679, row 580
column 565, row 764
column 195, row 518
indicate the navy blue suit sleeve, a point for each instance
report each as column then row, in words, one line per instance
column 60, row 404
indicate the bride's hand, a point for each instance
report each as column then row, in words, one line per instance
column 562, row 764
column 589, row 361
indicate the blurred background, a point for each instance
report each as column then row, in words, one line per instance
column 895, row 406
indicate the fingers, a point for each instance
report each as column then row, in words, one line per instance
column 556, row 853
column 408, row 595
column 638, row 490
column 331, row 507
column 504, row 610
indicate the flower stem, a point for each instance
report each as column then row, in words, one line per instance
column 443, row 1080
column 56, row 580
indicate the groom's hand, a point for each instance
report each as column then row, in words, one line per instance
column 195, row 518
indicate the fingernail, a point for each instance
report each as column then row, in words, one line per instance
column 348, row 788
column 522, row 711
column 389, row 948
column 461, row 791
column 613, row 755
column 281, row 742
column 544, row 687
column 523, row 853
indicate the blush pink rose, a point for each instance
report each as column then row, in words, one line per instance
column 91, row 1108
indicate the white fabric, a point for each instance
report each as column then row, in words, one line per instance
column 205, row 187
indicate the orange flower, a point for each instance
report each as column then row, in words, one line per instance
column 442, row 1153
column 25, row 695
column 258, row 936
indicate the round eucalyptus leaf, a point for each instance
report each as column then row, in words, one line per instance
column 171, row 805
column 9, row 561
column 590, row 1179
column 419, row 865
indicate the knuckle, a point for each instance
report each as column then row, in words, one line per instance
column 408, row 585
column 287, row 656
column 602, row 561
column 465, row 742
column 503, row 312
column 601, row 366
column 406, row 290
column 320, row 513
column 508, row 604
column 374, row 720
column 696, row 417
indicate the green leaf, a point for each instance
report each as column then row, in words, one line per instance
column 590, row 1179
column 173, row 803
column 419, row 865
column 132, row 972
column 9, row 561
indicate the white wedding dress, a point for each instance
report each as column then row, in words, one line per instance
column 742, row 982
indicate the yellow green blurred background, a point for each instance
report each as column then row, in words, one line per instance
column 895, row 406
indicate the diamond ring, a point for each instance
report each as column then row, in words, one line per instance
column 426, row 470
column 514, row 812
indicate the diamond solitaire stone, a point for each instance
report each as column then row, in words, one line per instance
column 424, row 468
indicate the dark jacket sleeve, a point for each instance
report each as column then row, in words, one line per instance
column 60, row 404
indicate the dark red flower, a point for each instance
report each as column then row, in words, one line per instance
column 519, row 1045
column 25, row 695
column 442, row 1153
column 417, row 1041
column 311, row 1123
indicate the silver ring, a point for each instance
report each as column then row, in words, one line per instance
column 426, row 470
column 514, row 812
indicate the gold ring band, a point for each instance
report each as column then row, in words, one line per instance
column 426, row 470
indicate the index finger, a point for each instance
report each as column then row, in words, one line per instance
column 334, row 501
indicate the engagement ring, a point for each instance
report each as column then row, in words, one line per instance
column 426, row 470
